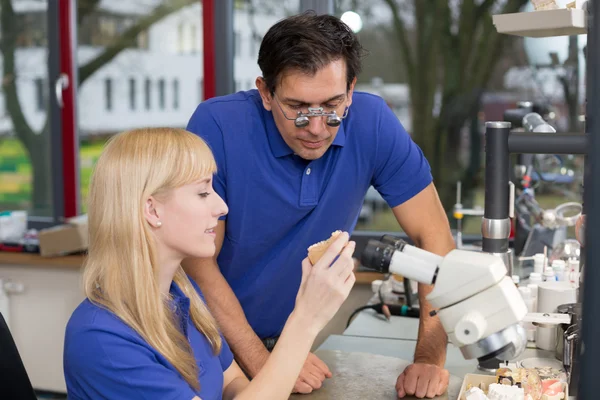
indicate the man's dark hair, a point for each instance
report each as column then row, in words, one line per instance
column 308, row 42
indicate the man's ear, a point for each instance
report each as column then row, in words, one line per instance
column 265, row 94
column 152, row 212
column 351, row 91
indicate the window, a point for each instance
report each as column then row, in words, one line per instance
column 200, row 90
column 175, row 94
column 148, row 92
column 161, row 94
column 254, row 46
column 108, row 26
column 236, row 44
column 181, row 38
column 108, row 94
column 132, row 93
column 194, row 39
column 142, row 40
column 29, row 142
column 40, row 94
column 136, row 91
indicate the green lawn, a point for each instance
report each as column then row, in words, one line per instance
column 15, row 172
column 385, row 220
column 15, row 185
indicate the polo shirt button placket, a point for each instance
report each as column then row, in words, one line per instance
column 308, row 171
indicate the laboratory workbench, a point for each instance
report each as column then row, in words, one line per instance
column 372, row 352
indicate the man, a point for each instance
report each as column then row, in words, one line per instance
column 291, row 176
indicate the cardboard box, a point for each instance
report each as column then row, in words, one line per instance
column 69, row 238
column 475, row 380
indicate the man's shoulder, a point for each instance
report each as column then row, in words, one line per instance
column 367, row 100
column 224, row 105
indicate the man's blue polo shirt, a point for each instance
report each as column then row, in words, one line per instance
column 280, row 204
column 106, row 359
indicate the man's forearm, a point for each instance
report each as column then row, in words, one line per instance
column 432, row 339
column 247, row 347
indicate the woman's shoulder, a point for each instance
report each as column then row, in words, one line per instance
column 91, row 320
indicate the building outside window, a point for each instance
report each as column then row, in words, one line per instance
column 108, row 92
column 148, row 93
column 161, row 94
column 132, row 93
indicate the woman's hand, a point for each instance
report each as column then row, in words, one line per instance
column 325, row 286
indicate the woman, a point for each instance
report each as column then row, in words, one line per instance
column 144, row 330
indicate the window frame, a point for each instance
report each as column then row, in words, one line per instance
column 64, row 141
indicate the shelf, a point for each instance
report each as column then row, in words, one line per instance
column 548, row 23
column 73, row 262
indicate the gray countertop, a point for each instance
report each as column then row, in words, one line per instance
column 372, row 352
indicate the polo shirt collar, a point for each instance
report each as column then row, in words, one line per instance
column 279, row 147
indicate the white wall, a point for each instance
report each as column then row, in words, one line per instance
column 38, row 318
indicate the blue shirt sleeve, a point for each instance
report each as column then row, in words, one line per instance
column 203, row 124
column 104, row 364
column 401, row 170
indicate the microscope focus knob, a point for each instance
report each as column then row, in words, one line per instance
column 470, row 328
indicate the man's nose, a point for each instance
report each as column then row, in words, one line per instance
column 316, row 125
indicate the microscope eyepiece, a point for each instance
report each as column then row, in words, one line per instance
column 394, row 241
column 377, row 255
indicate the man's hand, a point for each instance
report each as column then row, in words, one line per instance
column 312, row 375
column 422, row 380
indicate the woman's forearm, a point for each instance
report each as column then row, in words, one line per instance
column 278, row 376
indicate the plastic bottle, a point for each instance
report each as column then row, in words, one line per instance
column 559, row 266
column 538, row 263
column 573, row 271
column 533, row 287
column 549, row 275
column 529, row 301
column 535, row 278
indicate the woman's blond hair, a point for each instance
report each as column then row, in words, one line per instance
column 121, row 269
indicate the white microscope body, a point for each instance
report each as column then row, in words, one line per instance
column 478, row 304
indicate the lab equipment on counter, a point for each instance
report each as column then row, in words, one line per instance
column 478, row 305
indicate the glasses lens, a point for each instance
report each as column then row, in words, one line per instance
column 301, row 122
column 334, row 121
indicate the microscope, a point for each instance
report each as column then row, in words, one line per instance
column 478, row 304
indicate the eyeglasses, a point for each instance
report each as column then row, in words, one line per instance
column 302, row 118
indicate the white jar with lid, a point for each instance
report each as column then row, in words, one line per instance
column 559, row 266
column 535, row 278
column 549, row 275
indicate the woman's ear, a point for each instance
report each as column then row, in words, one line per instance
column 152, row 213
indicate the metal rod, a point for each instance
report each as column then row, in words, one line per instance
column 496, row 170
column 542, row 143
column 495, row 218
column 589, row 384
